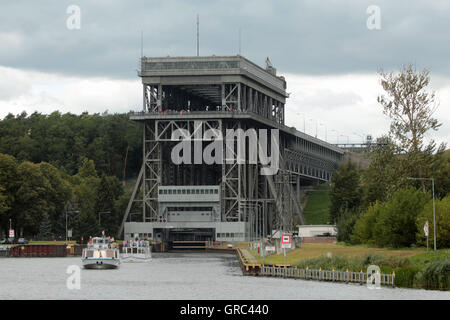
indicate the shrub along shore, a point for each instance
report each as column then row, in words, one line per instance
column 414, row 268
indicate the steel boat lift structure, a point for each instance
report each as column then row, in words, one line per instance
column 227, row 201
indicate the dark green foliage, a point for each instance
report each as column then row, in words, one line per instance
column 414, row 272
column 396, row 224
column 405, row 276
column 363, row 231
column 9, row 185
column 342, row 263
column 345, row 225
column 381, row 178
column 437, row 275
column 383, row 260
column 393, row 223
column 40, row 195
column 109, row 190
column 345, row 190
column 45, row 229
column 442, row 208
column 63, row 139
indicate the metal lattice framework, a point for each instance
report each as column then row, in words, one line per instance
column 224, row 93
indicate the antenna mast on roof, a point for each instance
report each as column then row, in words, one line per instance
column 239, row 40
column 198, row 38
column 142, row 43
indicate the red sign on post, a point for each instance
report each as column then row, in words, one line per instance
column 11, row 233
column 286, row 241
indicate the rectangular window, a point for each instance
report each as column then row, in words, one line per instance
column 184, row 191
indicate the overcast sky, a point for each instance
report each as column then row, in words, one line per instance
column 324, row 49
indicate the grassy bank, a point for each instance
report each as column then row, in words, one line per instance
column 414, row 268
column 318, row 202
column 315, row 250
column 51, row 242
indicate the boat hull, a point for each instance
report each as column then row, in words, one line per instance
column 101, row 263
column 135, row 257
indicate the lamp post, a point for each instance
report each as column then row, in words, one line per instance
column 303, row 115
column 73, row 211
column 323, row 124
column 360, row 135
column 343, row 135
column 261, row 230
column 434, row 209
column 337, row 135
column 316, row 124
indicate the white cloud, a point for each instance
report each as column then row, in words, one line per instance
column 343, row 106
column 36, row 91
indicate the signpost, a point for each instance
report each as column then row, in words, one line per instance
column 425, row 229
column 285, row 243
column 11, row 230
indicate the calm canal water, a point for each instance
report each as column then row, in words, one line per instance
column 174, row 276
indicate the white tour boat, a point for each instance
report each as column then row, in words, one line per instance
column 101, row 253
column 136, row 251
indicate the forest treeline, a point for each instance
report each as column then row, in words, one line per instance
column 55, row 164
column 64, row 139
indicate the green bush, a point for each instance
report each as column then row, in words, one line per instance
column 341, row 263
column 396, row 225
column 392, row 223
column 430, row 270
column 363, row 230
column 442, row 222
column 437, row 275
column 404, row 276
column 345, row 225
column 383, row 260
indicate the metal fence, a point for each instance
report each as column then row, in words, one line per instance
column 325, row 275
column 4, row 251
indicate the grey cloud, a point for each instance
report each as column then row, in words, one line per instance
column 308, row 37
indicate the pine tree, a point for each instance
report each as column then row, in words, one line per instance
column 45, row 229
